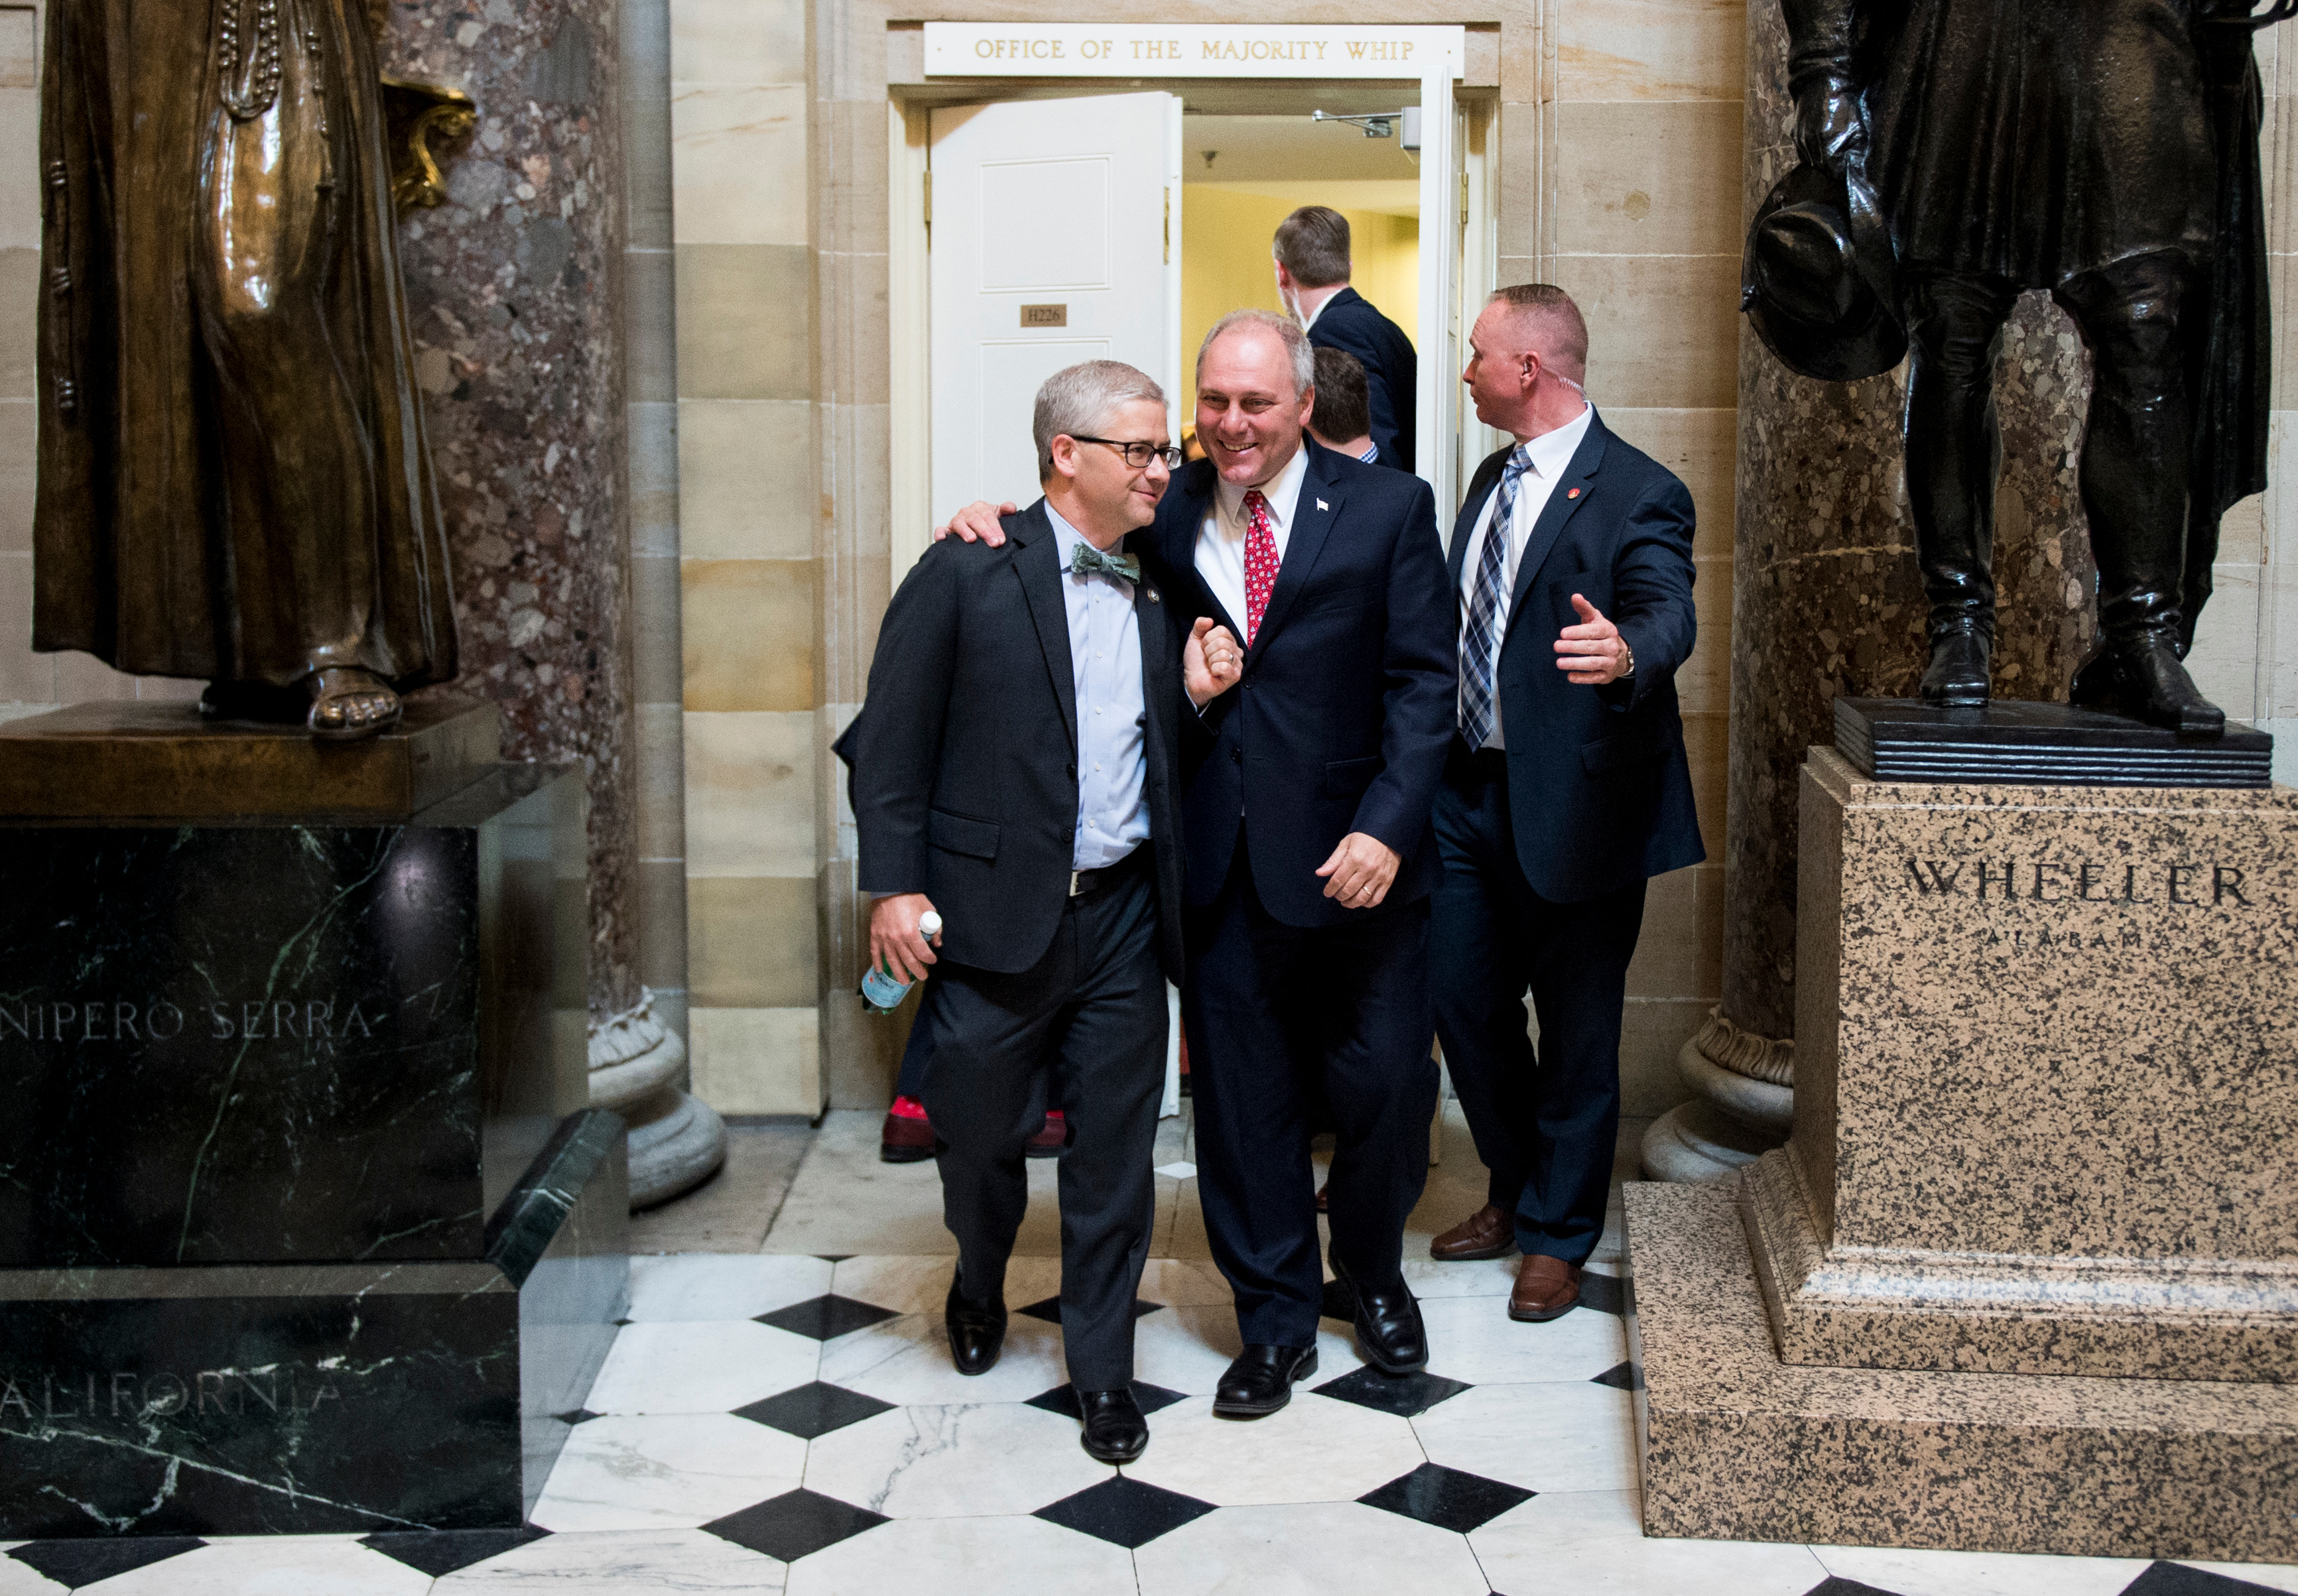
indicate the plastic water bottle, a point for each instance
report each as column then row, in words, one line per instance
column 882, row 989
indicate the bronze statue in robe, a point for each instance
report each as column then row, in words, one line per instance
column 233, row 483
column 2105, row 151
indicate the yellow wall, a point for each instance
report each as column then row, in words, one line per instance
column 1225, row 261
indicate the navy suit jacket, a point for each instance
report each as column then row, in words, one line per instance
column 1600, row 790
column 963, row 758
column 1392, row 370
column 1345, row 708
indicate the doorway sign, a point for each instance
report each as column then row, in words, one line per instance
column 1433, row 57
column 1136, row 50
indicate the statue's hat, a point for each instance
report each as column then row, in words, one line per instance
column 1819, row 279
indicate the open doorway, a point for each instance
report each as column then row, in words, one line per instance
column 1421, row 224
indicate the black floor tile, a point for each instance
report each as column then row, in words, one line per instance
column 833, row 1257
column 2176, row 1579
column 1050, row 1310
column 813, row 1409
column 794, row 1524
column 1125, row 1512
column 1404, row 1395
column 76, row 1563
column 1835, row 1584
column 1062, row 1399
column 826, row 1318
column 1621, row 1376
column 1447, row 1498
column 437, row 1552
column 575, row 1416
column 1607, row 1294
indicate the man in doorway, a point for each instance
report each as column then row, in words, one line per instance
column 1305, row 801
column 1567, row 788
column 1312, row 280
column 1342, row 419
column 1015, row 771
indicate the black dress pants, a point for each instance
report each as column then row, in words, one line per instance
column 1083, row 1029
column 1546, row 1122
column 1273, row 1014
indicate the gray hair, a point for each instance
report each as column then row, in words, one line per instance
column 1078, row 399
column 1284, row 329
column 1312, row 244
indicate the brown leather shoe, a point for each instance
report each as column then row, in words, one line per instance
column 1546, row 1288
column 1490, row 1232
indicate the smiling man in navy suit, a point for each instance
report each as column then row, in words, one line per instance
column 1305, row 802
column 1567, row 788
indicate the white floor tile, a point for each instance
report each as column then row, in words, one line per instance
column 1906, row 1572
column 709, row 1367
column 670, row 1471
column 1565, row 1435
column 1309, row 1550
column 906, row 1360
column 965, row 1557
column 620, row 1563
column 1185, row 1283
column 1314, row 1449
column 1576, row 1541
column 1485, row 1277
column 18, row 1580
column 722, row 1285
column 275, row 1566
column 1187, row 1348
column 952, row 1463
column 912, row 1285
column 1473, row 1339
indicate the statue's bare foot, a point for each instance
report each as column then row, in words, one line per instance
column 349, row 703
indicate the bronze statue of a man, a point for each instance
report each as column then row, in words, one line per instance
column 233, row 479
column 2104, row 150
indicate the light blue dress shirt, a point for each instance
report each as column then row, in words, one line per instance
column 1112, row 714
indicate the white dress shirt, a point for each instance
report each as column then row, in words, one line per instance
column 1551, row 452
column 1220, row 537
column 1113, row 816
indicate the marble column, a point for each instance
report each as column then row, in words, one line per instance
column 514, row 285
column 1826, row 602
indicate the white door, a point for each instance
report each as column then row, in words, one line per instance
column 1055, row 239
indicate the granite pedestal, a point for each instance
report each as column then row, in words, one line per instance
column 2025, row 1276
column 306, row 1225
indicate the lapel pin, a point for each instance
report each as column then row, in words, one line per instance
column 1153, row 597
column 1572, row 492
column 1322, row 505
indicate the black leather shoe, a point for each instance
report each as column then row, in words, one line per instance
column 976, row 1333
column 1389, row 1331
column 1115, row 1431
column 1260, row 1380
column 2142, row 676
column 1958, row 676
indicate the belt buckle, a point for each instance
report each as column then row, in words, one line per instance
column 1074, row 876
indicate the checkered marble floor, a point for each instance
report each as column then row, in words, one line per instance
column 792, row 1423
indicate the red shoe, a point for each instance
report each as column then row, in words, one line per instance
column 907, row 1137
column 1051, row 1138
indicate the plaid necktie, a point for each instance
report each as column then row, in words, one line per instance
column 1480, row 640
column 1260, row 561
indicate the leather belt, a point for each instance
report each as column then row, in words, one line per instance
column 1085, row 883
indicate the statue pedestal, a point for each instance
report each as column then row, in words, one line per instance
column 309, row 1227
column 2025, row 1278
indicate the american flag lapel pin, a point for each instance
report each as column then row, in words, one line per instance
column 1322, row 505
column 1572, row 492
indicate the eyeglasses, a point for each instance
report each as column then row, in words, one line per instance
column 1139, row 455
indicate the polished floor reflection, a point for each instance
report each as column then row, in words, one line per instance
column 787, row 1420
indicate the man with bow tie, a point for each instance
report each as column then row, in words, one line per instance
column 1565, row 789
column 1015, row 771
column 1305, row 809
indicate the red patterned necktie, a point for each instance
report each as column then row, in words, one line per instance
column 1260, row 561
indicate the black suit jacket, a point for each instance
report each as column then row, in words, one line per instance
column 963, row 760
column 1600, row 790
column 1392, row 370
column 1341, row 720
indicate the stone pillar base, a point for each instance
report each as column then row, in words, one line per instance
column 1739, row 1445
column 638, row 1068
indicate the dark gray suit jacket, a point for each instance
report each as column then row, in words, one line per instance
column 963, row 760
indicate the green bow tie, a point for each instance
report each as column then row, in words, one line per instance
column 1085, row 560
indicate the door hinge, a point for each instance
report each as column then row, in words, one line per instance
column 929, row 207
column 1169, row 224
column 1464, row 199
